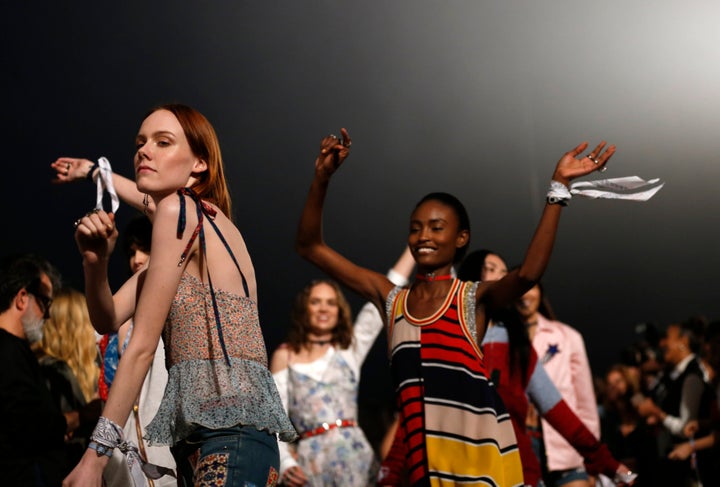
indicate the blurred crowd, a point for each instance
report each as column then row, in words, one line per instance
column 657, row 407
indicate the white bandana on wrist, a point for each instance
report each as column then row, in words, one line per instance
column 103, row 179
column 631, row 188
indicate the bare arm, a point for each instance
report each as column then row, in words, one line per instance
column 310, row 244
column 502, row 293
column 95, row 236
column 69, row 169
column 156, row 295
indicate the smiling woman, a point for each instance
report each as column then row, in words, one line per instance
column 317, row 372
column 452, row 422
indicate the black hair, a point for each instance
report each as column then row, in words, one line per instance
column 23, row 271
column 518, row 340
column 694, row 329
column 462, row 215
column 139, row 233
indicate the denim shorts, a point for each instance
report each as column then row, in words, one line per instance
column 240, row 456
column 562, row 477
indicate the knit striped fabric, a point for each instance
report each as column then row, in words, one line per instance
column 455, row 427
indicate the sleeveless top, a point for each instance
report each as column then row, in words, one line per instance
column 456, row 429
column 217, row 365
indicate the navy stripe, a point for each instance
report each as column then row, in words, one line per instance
column 464, row 439
column 465, row 478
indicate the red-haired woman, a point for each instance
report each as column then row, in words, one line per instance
column 221, row 409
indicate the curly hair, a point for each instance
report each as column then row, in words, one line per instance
column 300, row 327
column 69, row 336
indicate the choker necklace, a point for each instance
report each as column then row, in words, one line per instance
column 430, row 276
column 319, row 342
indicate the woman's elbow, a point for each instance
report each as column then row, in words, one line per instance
column 528, row 277
column 308, row 250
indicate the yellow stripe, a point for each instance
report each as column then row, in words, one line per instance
column 461, row 458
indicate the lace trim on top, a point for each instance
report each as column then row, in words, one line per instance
column 389, row 301
column 470, row 299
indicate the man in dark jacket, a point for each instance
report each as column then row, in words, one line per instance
column 32, row 428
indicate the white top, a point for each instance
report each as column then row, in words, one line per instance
column 367, row 327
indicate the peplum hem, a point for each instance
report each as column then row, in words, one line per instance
column 209, row 393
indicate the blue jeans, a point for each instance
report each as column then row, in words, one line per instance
column 240, row 456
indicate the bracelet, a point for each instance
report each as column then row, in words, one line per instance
column 89, row 175
column 101, row 449
column 558, row 194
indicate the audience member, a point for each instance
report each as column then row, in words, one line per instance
column 32, row 427
column 69, row 363
column 680, row 396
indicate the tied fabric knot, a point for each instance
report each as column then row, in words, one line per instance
column 104, row 182
column 110, row 434
column 632, row 188
column 139, row 468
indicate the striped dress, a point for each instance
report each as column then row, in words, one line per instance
column 455, row 428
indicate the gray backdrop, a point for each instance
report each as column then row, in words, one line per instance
column 478, row 98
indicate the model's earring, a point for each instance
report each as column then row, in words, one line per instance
column 146, row 204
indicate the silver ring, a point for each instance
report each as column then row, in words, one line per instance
column 348, row 144
column 77, row 222
column 333, row 136
column 603, row 169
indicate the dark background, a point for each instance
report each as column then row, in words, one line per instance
column 478, row 98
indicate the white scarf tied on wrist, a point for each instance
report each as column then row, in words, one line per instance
column 103, row 179
column 631, row 188
column 139, row 468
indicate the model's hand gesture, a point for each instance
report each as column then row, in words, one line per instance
column 570, row 166
column 333, row 151
column 68, row 169
column 95, row 234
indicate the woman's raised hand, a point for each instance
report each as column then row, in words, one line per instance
column 68, row 169
column 95, row 235
column 570, row 166
column 333, row 151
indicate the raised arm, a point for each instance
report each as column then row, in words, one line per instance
column 310, row 244
column 502, row 293
column 69, row 169
column 95, row 236
column 160, row 285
